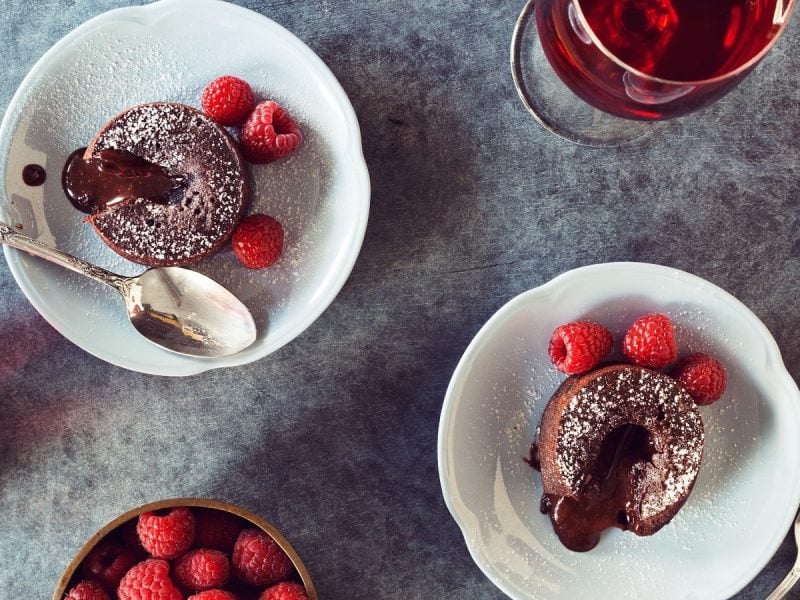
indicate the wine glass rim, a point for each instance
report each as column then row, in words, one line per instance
column 787, row 13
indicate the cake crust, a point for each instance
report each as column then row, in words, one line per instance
column 199, row 216
column 587, row 408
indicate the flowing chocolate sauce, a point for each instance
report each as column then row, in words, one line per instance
column 112, row 177
column 33, row 175
column 609, row 493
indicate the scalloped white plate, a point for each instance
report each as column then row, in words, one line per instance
column 749, row 485
column 170, row 50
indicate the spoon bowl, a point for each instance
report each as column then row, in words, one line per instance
column 184, row 311
column 180, row 310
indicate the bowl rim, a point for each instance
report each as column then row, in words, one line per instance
column 146, row 16
column 773, row 363
column 228, row 507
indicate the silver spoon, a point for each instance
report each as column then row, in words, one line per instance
column 175, row 308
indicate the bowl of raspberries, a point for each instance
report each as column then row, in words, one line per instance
column 186, row 549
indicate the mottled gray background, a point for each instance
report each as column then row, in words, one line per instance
column 333, row 438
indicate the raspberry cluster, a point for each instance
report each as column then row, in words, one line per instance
column 650, row 342
column 185, row 553
column 266, row 133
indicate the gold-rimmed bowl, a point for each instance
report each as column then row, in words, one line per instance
column 72, row 573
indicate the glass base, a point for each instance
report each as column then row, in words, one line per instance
column 553, row 104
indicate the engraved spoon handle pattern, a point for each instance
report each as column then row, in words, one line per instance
column 15, row 239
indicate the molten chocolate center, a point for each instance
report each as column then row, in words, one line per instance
column 609, row 495
column 113, row 177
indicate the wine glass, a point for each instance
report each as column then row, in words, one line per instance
column 633, row 62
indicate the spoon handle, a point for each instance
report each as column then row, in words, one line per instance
column 22, row 242
column 787, row 584
column 794, row 575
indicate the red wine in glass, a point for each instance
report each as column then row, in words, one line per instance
column 656, row 59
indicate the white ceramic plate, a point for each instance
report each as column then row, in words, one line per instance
column 748, row 488
column 170, row 50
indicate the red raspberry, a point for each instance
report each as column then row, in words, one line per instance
column 650, row 342
column 258, row 241
column 216, row 529
column 107, row 562
column 284, row 591
column 166, row 533
column 269, row 134
column 202, row 569
column 702, row 376
column 227, row 100
column 148, row 580
column 579, row 346
column 87, row 590
column 258, row 560
column 213, row 595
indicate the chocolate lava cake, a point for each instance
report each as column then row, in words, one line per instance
column 618, row 446
column 210, row 194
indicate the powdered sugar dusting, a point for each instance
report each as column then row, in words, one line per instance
column 656, row 403
column 207, row 208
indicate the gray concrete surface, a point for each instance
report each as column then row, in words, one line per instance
column 333, row 438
